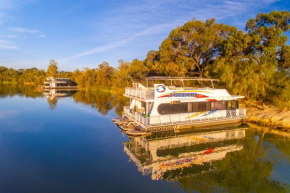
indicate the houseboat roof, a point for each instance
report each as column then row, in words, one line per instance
column 179, row 78
column 53, row 78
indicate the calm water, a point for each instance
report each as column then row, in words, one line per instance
column 69, row 144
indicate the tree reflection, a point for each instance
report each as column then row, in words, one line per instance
column 52, row 101
column 9, row 90
column 243, row 171
column 102, row 101
column 241, row 161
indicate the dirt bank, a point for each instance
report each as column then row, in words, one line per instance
column 268, row 115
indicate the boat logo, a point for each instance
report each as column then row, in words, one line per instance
column 160, row 88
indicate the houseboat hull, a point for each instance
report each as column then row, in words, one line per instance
column 62, row 87
column 183, row 126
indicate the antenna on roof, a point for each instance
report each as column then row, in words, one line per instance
column 132, row 79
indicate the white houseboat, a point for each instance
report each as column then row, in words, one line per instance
column 162, row 108
column 59, row 83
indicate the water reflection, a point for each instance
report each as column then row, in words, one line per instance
column 224, row 160
column 102, row 101
column 53, row 95
column 9, row 90
column 171, row 156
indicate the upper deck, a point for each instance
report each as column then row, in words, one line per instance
column 148, row 93
column 162, row 92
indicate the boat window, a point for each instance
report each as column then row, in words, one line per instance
column 202, row 106
column 165, row 109
column 220, row 105
column 232, row 105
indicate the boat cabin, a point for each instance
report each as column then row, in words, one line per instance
column 52, row 82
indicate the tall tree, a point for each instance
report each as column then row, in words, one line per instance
column 138, row 70
column 266, row 31
column 52, row 69
column 190, row 48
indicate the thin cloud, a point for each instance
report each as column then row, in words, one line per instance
column 137, row 14
column 12, row 36
column 23, row 30
column 6, row 45
column 150, row 31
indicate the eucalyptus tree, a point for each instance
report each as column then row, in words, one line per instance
column 268, row 44
column 52, row 69
column 121, row 77
column 105, row 74
column 152, row 61
column 192, row 47
column 138, row 70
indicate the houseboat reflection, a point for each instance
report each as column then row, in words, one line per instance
column 173, row 155
column 53, row 95
column 58, row 93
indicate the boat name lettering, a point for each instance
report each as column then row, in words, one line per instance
column 183, row 94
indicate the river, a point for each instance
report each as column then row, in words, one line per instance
column 66, row 142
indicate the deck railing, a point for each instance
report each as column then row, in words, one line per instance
column 136, row 116
column 139, row 93
column 183, row 117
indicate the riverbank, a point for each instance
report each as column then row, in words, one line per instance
column 112, row 90
column 267, row 115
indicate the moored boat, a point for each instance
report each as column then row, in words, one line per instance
column 165, row 108
column 59, row 83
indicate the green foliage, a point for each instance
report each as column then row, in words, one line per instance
column 32, row 75
column 190, row 48
column 122, row 74
column 52, row 69
column 8, row 74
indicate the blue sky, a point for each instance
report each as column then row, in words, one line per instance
column 85, row 33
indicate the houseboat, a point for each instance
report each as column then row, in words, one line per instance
column 163, row 108
column 59, row 83
column 170, row 157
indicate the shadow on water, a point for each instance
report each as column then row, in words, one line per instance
column 102, row 101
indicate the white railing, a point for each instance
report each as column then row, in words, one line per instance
column 136, row 116
column 184, row 117
column 139, row 93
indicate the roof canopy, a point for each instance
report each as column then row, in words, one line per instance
column 179, row 78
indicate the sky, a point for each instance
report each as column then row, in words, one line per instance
column 85, row 33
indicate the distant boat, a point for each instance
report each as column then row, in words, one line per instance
column 59, row 83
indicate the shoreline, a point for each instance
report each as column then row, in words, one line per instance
column 269, row 116
column 257, row 113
